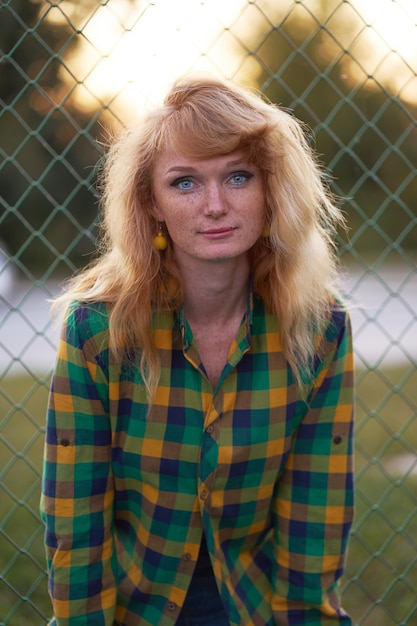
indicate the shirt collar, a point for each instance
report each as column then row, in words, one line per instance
column 181, row 322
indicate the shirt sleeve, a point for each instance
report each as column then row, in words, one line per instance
column 77, row 491
column 313, row 507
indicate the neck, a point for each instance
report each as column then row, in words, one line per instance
column 217, row 293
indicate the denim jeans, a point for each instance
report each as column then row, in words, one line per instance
column 203, row 606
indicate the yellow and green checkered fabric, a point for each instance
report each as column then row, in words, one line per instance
column 263, row 468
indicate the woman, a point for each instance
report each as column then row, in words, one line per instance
column 198, row 463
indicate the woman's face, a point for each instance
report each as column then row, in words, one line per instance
column 213, row 209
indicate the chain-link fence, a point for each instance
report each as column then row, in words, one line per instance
column 72, row 72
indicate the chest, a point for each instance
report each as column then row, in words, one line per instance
column 250, row 418
column 213, row 347
column 238, row 425
column 214, row 344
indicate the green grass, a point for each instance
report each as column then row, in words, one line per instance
column 381, row 578
column 380, row 586
column 23, row 588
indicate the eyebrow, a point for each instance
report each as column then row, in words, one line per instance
column 179, row 169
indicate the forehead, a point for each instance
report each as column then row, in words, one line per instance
column 174, row 157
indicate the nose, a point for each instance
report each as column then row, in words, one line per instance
column 215, row 201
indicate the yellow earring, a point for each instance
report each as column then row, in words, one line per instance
column 266, row 231
column 160, row 242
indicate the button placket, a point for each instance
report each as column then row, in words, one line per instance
column 208, row 461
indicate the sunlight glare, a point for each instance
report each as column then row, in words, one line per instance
column 132, row 49
column 391, row 55
column 135, row 49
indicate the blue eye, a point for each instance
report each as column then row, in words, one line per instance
column 184, row 184
column 240, row 178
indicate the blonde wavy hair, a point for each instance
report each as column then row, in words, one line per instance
column 294, row 269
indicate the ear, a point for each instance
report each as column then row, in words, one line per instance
column 158, row 215
column 156, row 212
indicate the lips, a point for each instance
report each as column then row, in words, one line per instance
column 218, row 232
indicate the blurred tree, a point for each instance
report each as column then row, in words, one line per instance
column 309, row 61
column 47, row 143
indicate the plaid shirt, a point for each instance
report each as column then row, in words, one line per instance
column 264, row 468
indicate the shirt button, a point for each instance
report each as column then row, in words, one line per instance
column 210, row 429
column 203, row 495
column 186, row 556
column 171, row 606
column 337, row 439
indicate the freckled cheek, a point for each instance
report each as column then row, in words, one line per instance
column 172, row 211
column 179, row 223
column 257, row 212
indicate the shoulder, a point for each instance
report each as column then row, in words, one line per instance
column 86, row 321
column 334, row 342
column 338, row 322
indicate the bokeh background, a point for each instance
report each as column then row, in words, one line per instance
column 72, row 73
